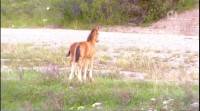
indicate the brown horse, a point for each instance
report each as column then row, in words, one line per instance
column 82, row 55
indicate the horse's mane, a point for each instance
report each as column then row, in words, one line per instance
column 92, row 34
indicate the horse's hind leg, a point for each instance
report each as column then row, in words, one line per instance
column 80, row 73
column 73, row 67
column 80, row 67
column 85, row 70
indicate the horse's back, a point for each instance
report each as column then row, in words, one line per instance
column 86, row 50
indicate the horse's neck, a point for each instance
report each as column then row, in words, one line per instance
column 91, row 42
column 90, row 49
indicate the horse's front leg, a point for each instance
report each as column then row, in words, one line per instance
column 90, row 70
column 85, row 70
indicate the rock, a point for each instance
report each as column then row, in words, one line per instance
column 194, row 106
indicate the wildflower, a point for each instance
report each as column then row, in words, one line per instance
column 48, row 8
column 44, row 20
column 96, row 104
column 153, row 99
column 165, row 102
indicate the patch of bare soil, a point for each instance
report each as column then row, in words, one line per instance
column 186, row 23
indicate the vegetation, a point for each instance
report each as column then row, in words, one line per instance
column 130, row 59
column 28, row 55
column 50, row 90
column 85, row 13
column 34, row 92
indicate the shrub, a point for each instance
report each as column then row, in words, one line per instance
column 80, row 13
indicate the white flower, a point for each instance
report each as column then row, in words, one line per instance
column 153, row 99
column 48, row 8
column 96, row 104
column 165, row 102
column 44, row 20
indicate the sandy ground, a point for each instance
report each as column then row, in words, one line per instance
column 64, row 37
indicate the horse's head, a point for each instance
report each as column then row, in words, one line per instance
column 93, row 37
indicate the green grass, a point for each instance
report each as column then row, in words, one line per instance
column 83, row 14
column 186, row 5
column 37, row 93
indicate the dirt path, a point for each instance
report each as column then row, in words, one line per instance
column 175, row 32
column 61, row 37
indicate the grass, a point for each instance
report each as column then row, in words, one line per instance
column 43, row 91
column 77, row 14
column 186, row 5
column 37, row 93
column 139, row 62
column 26, row 55
column 131, row 59
column 105, row 59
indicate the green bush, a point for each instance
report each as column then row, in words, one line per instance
column 84, row 13
column 156, row 9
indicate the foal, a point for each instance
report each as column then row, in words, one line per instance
column 82, row 55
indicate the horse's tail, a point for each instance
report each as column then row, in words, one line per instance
column 67, row 55
column 77, row 53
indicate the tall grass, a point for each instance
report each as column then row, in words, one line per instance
column 85, row 13
column 36, row 93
